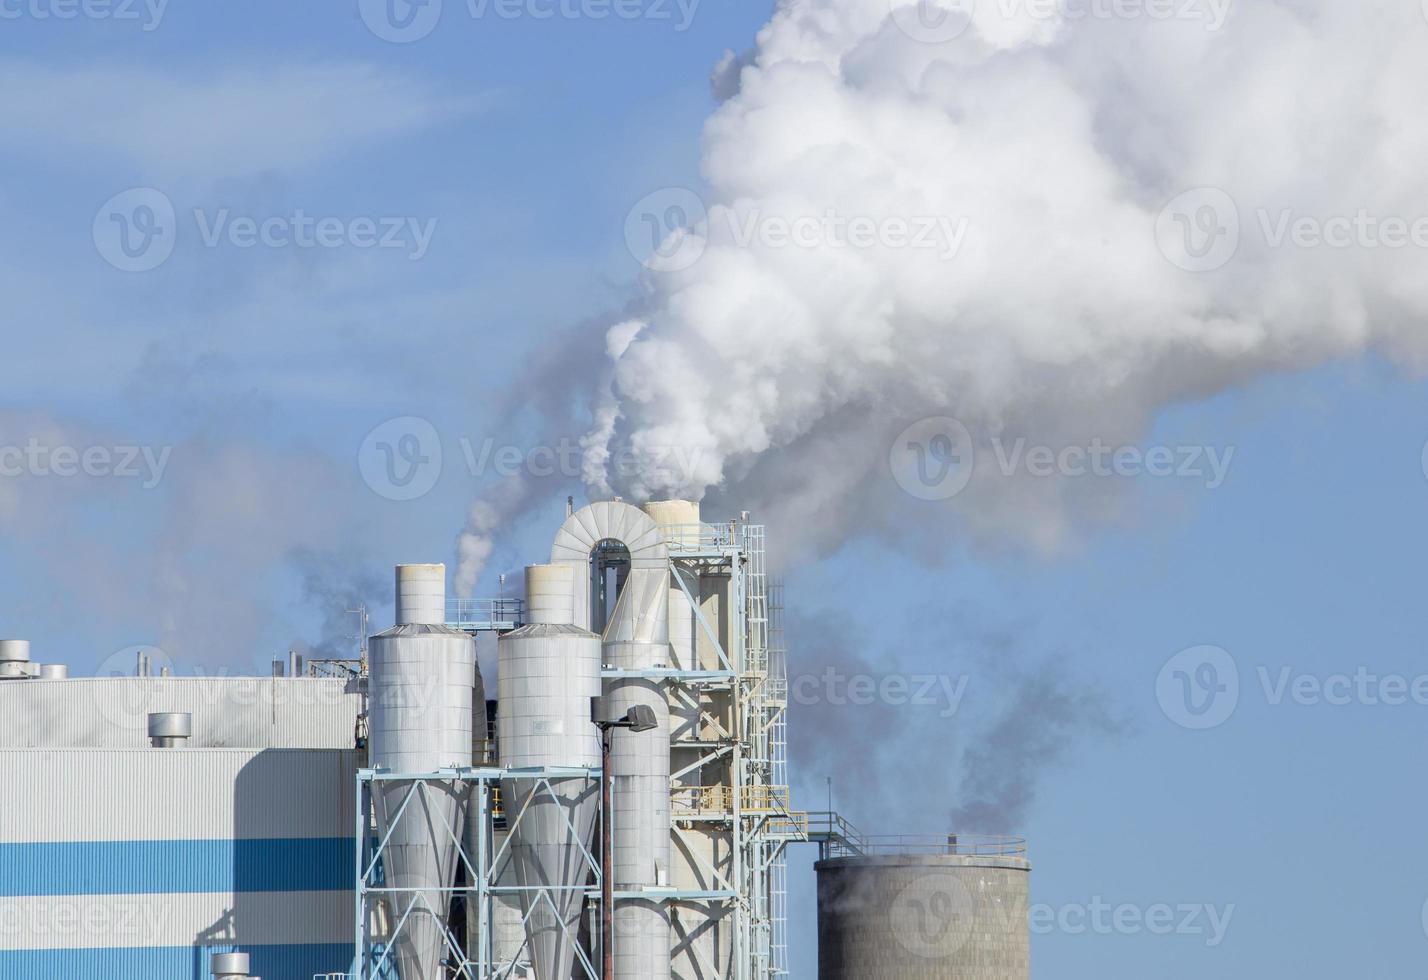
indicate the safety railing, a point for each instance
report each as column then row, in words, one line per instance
column 485, row 614
column 965, row 845
column 694, row 538
column 720, row 799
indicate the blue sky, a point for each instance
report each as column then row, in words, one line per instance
column 527, row 141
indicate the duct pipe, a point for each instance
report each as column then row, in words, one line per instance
column 637, row 640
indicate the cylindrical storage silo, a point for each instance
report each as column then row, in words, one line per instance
column 923, row 917
column 53, row 672
column 423, row 675
column 550, row 594
column 549, row 676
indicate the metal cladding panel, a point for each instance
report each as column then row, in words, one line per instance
column 228, row 712
column 136, row 864
column 176, row 794
column 943, row 917
column 421, row 713
column 167, row 920
column 279, row 962
column 549, row 676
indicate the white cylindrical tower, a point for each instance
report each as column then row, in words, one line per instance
column 423, row 675
column 421, row 595
column 549, row 676
column 550, row 594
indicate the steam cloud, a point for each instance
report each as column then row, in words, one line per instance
column 1051, row 143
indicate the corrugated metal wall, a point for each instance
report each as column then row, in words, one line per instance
column 136, row 864
column 228, row 712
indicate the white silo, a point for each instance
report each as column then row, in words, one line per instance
column 549, row 677
column 420, row 718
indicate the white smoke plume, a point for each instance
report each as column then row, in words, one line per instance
column 1108, row 194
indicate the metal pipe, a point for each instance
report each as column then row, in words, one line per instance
column 607, row 864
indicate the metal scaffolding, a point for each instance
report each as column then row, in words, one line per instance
column 729, row 782
column 383, row 910
column 736, row 786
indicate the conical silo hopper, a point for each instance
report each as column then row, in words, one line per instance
column 549, row 675
column 420, row 719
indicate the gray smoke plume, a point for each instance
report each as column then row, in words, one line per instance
column 333, row 584
column 973, row 724
column 1105, row 201
column 1047, row 716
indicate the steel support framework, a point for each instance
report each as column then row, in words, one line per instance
column 383, row 911
column 746, row 793
column 749, row 687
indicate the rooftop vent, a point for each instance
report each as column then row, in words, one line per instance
column 169, row 729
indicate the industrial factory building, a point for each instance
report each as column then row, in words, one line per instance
column 618, row 808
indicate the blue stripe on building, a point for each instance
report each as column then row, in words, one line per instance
column 171, row 962
column 176, row 866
